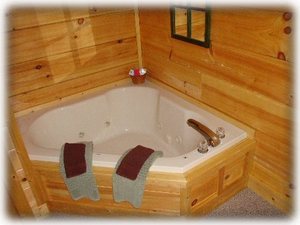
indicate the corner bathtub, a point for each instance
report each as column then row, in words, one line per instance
column 121, row 118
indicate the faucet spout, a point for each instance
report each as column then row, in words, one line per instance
column 210, row 136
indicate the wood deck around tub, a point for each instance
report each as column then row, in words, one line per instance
column 196, row 192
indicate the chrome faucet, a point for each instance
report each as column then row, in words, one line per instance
column 210, row 136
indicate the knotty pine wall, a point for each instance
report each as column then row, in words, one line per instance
column 246, row 74
column 58, row 52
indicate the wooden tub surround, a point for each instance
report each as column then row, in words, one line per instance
column 195, row 192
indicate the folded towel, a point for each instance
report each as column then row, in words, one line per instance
column 130, row 174
column 74, row 160
column 82, row 184
column 133, row 161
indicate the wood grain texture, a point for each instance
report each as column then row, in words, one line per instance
column 254, row 30
column 240, row 75
column 64, row 67
column 161, row 195
column 71, row 51
column 67, row 51
column 16, row 193
column 59, row 91
column 197, row 191
column 25, row 189
column 54, row 38
column 234, row 65
column 21, row 18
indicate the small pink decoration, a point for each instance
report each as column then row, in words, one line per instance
column 137, row 72
column 138, row 75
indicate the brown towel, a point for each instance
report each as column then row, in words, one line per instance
column 133, row 162
column 74, row 159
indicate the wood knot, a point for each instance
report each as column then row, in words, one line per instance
column 48, row 75
column 227, row 176
column 281, row 56
column 38, row 67
column 24, row 179
column 194, row 202
column 120, row 41
column 80, row 21
column 287, row 16
column 287, row 30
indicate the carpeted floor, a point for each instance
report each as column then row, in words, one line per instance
column 246, row 204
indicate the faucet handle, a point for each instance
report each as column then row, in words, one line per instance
column 220, row 132
column 203, row 146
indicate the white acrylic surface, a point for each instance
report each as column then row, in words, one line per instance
column 122, row 118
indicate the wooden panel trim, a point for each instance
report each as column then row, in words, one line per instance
column 178, row 190
column 284, row 203
column 138, row 36
column 15, row 192
column 30, row 184
column 159, row 185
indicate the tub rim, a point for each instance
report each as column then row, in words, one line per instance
column 160, row 164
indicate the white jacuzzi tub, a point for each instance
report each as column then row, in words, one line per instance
column 121, row 118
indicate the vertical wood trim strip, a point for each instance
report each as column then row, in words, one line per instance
column 35, row 182
column 207, row 27
column 221, row 180
column 184, row 200
column 138, row 36
column 189, row 23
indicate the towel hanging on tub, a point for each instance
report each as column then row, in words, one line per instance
column 76, row 169
column 130, row 174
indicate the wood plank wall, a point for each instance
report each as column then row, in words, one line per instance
column 246, row 74
column 58, row 52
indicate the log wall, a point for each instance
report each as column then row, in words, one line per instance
column 246, row 74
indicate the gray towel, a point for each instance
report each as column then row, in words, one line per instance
column 83, row 185
column 132, row 191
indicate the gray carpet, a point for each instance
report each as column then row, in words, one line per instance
column 246, row 204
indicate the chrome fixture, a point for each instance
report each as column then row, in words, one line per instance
column 220, row 131
column 203, row 146
column 211, row 138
